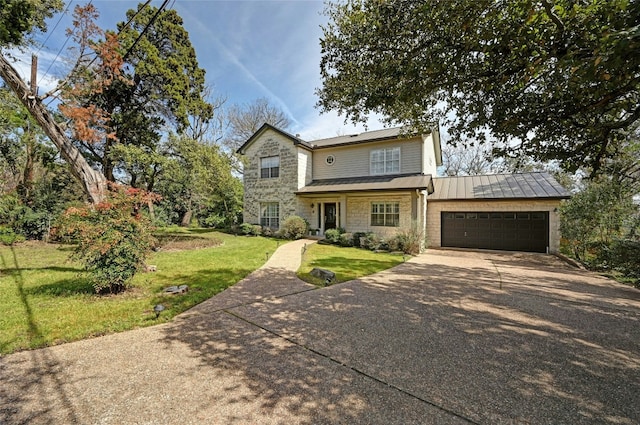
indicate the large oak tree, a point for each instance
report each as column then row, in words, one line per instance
column 560, row 77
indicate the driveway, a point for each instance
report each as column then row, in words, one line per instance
column 449, row 337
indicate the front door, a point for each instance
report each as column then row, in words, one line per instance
column 330, row 216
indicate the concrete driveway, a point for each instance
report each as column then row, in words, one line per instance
column 449, row 337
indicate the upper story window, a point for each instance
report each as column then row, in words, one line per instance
column 269, row 167
column 385, row 161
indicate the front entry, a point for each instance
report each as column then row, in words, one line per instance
column 330, row 216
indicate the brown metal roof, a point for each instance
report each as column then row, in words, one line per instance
column 498, row 186
column 370, row 183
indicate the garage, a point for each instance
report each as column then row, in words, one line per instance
column 510, row 231
column 511, row 212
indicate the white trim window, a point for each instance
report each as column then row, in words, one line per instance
column 269, row 167
column 270, row 215
column 385, row 161
column 385, row 214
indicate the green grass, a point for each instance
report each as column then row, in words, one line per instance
column 346, row 263
column 45, row 299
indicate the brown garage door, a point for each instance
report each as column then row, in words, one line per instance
column 510, row 231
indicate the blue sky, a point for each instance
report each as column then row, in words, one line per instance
column 249, row 49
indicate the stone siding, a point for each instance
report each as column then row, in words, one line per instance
column 435, row 208
column 358, row 214
column 280, row 189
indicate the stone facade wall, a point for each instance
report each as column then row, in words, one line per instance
column 359, row 214
column 280, row 189
column 434, row 210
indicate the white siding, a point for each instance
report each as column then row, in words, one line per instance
column 305, row 169
column 353, row 161
column 429, row 164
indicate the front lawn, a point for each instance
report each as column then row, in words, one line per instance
column 346, row 263
column 44, row 299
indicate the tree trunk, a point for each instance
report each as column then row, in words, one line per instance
column 93, row 181
column 186, row 218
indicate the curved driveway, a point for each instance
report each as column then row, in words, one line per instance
column 449, row 337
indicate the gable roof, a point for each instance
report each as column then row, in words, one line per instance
column 352, row 139
column 367, row 136
column 370, row 183
column 498, row 186
column 265, row 127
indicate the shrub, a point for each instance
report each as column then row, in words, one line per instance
column 358, row 238
column 113, row 237
column 624, row 256
column 8, row 236
column 294, row 227
column 409, row 242
column 246, row 229
column 374, row 242
column 346, row 239
column 333, row 235
column 256, row 230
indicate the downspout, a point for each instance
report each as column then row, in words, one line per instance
column 423, row 223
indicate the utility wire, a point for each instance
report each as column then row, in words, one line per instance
column 55, row 26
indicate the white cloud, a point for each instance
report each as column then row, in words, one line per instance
column 22, row 63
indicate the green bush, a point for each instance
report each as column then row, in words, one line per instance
column 113, row 237
column 8, row 236
column 333, row 235
column 246, row 228
column 375, row 242
column 294, row 227
column 346, row 239
column 624, row 256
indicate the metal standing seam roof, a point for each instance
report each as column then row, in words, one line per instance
column 368, row 136
column 498, row 186
column 369, row 183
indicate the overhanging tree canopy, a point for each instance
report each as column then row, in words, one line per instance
column 562, row 77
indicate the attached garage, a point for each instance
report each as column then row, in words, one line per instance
column 510, row 231
column 513, row 212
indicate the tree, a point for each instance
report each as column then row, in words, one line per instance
column 197, row 182
column 245, row 120
column 561, row 77
column 163, row 90
column 94, row 183
column 18, row 18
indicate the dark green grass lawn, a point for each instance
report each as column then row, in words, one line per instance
column 45, row 300
column 346, row 263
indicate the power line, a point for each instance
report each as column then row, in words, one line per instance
column 55, row 26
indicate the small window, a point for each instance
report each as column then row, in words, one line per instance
column 538, row 216
column 472, row 216
column 460, row 216
column 384, row 161
column 270, row 167
column 330, row 159
column 523, row 216
column 270, row 215
column 509, row 216
column 385, row 214
column 483, row 216
column 496, row 216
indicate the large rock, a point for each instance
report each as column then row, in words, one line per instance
column 327, row 275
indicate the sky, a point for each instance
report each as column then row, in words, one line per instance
column 249, row 49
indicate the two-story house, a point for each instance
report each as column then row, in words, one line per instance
column 385, row 182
